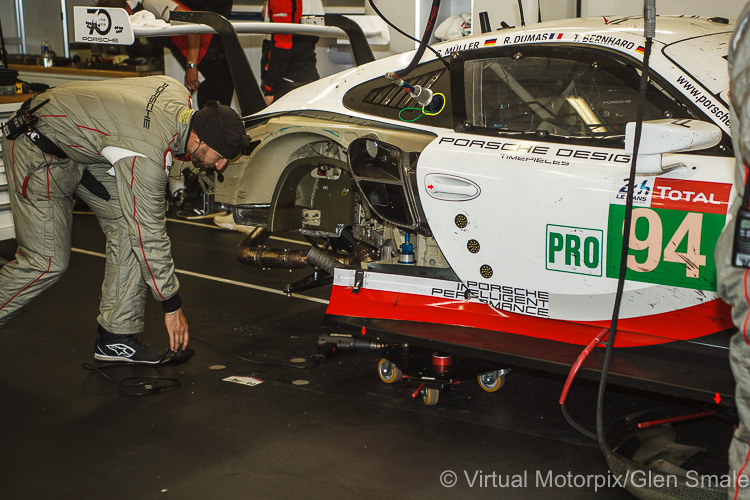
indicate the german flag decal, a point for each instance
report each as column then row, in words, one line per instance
column 490, row 42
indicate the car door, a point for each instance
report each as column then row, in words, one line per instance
column 526, row 196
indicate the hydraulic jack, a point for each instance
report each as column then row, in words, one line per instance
column 430, row 372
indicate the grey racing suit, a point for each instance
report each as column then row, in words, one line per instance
column 120, row 138
column 733, row 283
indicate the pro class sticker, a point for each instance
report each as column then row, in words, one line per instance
column 574, row 250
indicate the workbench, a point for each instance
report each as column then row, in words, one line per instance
column 57, row 75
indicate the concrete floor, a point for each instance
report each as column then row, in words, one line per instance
column 66, row 432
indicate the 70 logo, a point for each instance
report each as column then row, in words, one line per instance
column 667, row 247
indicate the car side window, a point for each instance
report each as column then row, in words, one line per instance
column 559, row 92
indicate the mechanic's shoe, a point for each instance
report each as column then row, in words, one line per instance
column 126, row 348
column 227, row 222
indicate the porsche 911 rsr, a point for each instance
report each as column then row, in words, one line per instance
column 513, row 192
column 491, row 219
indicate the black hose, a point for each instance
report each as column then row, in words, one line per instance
column 575, row 424
column 624, row 253
column 407, row 35
column 520, row 12
column 610, row 338
column 429, row 27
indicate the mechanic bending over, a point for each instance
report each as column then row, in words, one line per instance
column 733, row 283
column 112, row 144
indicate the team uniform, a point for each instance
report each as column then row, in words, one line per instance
column 120, row 138
column 733, row 282
column 288, row 61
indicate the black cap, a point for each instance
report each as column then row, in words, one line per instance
column 222, row 129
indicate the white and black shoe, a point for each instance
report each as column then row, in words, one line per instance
column 125, row 348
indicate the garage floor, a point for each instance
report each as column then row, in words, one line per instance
column 66, row 432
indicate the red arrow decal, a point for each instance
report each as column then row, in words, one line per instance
column 717, row 398
column 430, row 186
column 363, row 332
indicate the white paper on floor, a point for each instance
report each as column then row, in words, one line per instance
column 238, row 379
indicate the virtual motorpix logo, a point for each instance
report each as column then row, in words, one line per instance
column 596, row 482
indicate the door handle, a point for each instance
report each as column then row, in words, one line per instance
column 450, row 187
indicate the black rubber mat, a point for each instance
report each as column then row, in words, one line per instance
column 331, row 430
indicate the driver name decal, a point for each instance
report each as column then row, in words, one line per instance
column 534, row 37
column 611, row 41
column 491, row 42
column 458, row 48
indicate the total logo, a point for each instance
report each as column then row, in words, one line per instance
column 677, row 194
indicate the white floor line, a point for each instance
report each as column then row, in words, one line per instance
column 214, row 226
column 221, row 280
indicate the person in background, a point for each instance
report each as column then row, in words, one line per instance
column 288, row 61
column 112, row 143
column 732, row 282
column 196, row 53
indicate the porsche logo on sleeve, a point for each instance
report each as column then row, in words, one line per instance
column 675, row 226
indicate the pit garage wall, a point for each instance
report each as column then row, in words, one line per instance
column 41, row 19
column 730, row 9
column 404, row 14
column 6, row 219
column 507, row 10
column 410, row 16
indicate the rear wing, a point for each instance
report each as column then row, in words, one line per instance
column 113, row 26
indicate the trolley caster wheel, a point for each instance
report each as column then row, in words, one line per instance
column 388, row 372
column 490, row 381
column 430, row 396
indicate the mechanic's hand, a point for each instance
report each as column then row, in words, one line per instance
column 177, row 328
column 269, row 99
column 191, row 79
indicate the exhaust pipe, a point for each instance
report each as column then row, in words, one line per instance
column 328, row 261
column 250, row 252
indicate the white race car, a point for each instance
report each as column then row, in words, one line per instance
column 490, row 219
column 510, row 192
